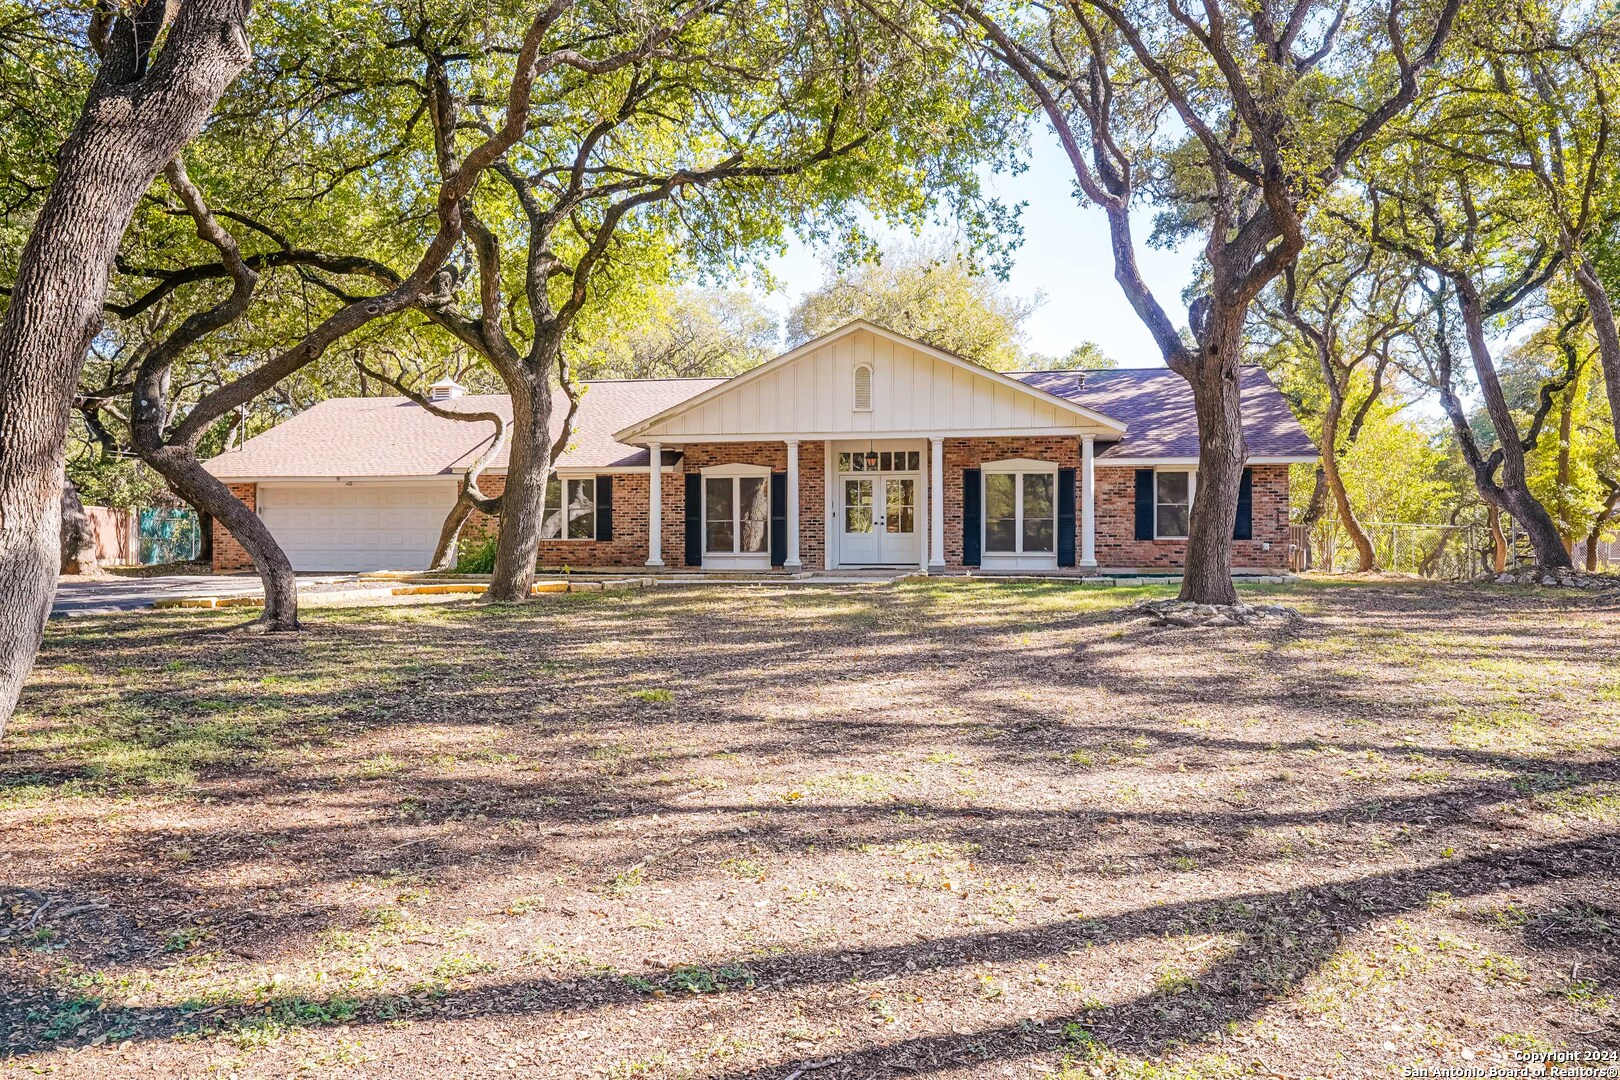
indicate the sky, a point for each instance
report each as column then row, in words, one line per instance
column 1065, row 258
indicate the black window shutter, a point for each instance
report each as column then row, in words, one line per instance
column 971, row 492
column 1244, row 529
column 1144, row 504
column 1065, row 517
column 694, row 519
column 604, row 506
column 778, row 518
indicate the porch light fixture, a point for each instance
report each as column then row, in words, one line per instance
column 871, row 459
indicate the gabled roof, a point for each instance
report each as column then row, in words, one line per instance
column 1150, row 409
column 1157, row 407
column 391, row 436
column 1081, row 412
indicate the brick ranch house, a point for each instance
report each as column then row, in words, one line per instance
column 861, row 448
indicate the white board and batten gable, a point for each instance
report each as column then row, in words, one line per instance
column 863, row 380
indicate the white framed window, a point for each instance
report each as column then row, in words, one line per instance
column 1020, row 508
column 570, row 508
column 888, row 461
column 1173, row 491
column 737, row 511
column 862, row 389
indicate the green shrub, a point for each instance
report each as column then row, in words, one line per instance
column 476, row 558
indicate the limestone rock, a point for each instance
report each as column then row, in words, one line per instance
column 1561, row 577
column 1180, row 614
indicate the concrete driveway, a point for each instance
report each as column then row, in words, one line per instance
column 102, row 596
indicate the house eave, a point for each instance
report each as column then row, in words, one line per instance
column 636, row 432
column 864, row 437
column 330, row 478
column 1146, row 461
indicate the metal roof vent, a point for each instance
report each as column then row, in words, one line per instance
column 445, row 389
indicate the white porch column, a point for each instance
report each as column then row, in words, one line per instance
column 792, row 561
column 1088, row 502
column 936, row 504
column 655, row 504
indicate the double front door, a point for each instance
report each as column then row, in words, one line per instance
column 880, row 520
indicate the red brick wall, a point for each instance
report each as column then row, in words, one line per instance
column 1118, row 548
column 812, row 491
column 972, row 453
column 631, row 498
column 229, row 556
column 628, row 548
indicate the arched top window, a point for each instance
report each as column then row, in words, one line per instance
column 863, row 387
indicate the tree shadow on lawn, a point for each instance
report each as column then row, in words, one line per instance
column 1269, row 944
column 555, row 685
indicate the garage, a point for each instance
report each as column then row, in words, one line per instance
column 358, row 524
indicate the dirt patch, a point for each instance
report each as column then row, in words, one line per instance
column 957, row 828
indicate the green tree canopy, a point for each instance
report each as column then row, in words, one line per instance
column 936, row 292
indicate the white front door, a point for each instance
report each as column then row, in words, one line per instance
column 898, row 541
column 879, row 520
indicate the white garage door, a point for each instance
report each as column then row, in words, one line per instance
column 359, row 526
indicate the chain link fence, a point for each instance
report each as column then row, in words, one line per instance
column 1443, row 552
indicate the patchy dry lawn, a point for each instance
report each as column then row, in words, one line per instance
column 952, row 828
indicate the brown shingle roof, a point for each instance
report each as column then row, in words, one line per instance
column 1156, row 406
column 355, row 437
column 391, row 436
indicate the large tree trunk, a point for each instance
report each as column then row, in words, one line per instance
column 522, row 503
column 78, row 535
column 1366, row 558
column 139, row 113
column 1515, row 486
column 1566, row 426
column 1207, row 573
column 1603, row 327
column 1315, row 510
column 1499, row 544
column 444, row 553
column 180, row 467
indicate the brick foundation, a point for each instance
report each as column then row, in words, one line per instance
column 1118, row 548
column 631, row 499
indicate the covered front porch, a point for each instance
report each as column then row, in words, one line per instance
column 864, row 448
column 929, row 503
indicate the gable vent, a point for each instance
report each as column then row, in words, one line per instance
column 863, row 387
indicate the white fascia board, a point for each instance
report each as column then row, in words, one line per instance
column 580, row 470
column 1145, row 462
column 878, row 436
column 404, row 478
column 632, row 433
